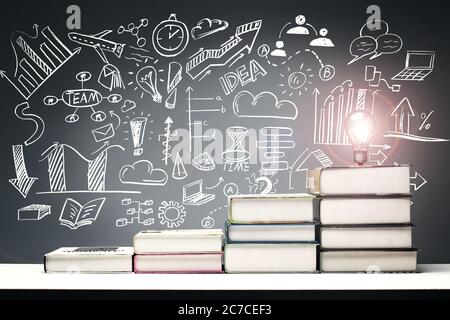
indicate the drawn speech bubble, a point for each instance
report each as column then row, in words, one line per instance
column 388, row 44
column 361, row 47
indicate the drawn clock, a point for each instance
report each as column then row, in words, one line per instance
column 170, row 37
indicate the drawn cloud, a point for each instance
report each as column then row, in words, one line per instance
column 206, row 27
column 264, row 105
column 142, row 173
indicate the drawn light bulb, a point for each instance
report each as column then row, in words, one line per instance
column 147, row 79
column 360, row 126
column 137, row 126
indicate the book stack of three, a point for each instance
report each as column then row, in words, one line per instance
column 271, row 233
column 365, row 219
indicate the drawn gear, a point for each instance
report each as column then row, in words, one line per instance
column 171, row 213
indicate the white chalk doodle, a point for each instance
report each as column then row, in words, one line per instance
column 171, row 100
column 263, row 105
column 418, row 65
column 82, row 99
column 230, row 189
column 201, row 63
column 279, row 50
column 208, row 221
column 295, row 80
column 103, row 133
column 74, row 215
column 326, row 71
column 178, row 171
column 242, row 76
column 236, row 156
column 206, row 27
column 33, row 212
column 274, row 142
column 171, row 214
column 402, row 115
column 301, row 28
column 147, row 80
column 170, row 37
column 378, row 157
column 110, row 78
column 128, row 105
column 137, row 128
column 99, row 43
column 263, row 50
column 219, row 182
column 167, row 138
column 261, row 184
column 193, row 194
column 204, row 162
column 143, row 173
column 140, row 212
column 173, row 79
column 37, row 58
column 374, row 42
column 374, row 77
column 134, row 30
column 417, row 181
column 96, row 169
column 21, row 112
column 22, row 182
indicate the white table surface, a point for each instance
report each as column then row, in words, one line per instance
column 32, row 277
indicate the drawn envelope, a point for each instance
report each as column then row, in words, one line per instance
column 103, row 133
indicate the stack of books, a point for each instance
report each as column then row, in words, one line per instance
column 271, row 233
column 178, row 251
column 365, row 219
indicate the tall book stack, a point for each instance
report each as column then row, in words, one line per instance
column 365, row 219
column 271, row 233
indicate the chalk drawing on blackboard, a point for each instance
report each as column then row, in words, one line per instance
column 208, row 221
column 201, row 63
column 166, row 138
column 230, row 189
column 417, row 181
column 263, row 50
column 137, row 127
column 342, row 100
column 134, row 30
column 193, row 194
column 378, row 158
column 103, row 133
column 22, row 182
column 110, row 78
column 263, row 105
column 322, row 41
column 243, row 75
column 301, row 28
column 128, row 105
column 96, row 169
column 171, row 214
column 375, row 78
column 326, row 71
column 170, row 37
column 219, row 182
column 75, row 215
column 295, row 80
column 146, row 78
column 261, row 184
column 22, row 114
column 274, row 143
column 279, row 50
column 374, row 42
column 179, row 171
column 98, row 43
column 418, row 65
column 142, row 173
column 236, row 156
column 173, row 75
column 206, row 27
column 402, row 115
column 307, row 160
column 140, row 212
column 204, row 162
column 33, row 212
column 37, row 58
column 171, row 100
column 83, row 99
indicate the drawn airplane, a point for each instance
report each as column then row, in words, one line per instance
column 97, row 42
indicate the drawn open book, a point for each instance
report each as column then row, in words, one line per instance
column 75, row 215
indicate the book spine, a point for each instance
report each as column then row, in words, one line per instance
column 313, row 181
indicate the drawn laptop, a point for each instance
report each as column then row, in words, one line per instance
column 418, row 65
column 193, row 194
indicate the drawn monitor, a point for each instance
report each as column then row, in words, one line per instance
column 193, row 194
column 418, row 65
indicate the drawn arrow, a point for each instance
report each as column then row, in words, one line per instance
column 23, row 182
column 380, row 157
column 381, row 146
column 316, row 94
column 403, row 109
column 218, row 184
column 113, row 114
column 419, row 181
column 3, row 75
column 38, row 122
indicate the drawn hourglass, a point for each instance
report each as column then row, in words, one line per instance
column 236, row 152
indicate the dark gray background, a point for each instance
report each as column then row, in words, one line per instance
column 422, row 26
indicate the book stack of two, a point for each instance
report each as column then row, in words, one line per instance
column 365, row 219
column 271, row 233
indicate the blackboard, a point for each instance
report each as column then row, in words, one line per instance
column 249, row 95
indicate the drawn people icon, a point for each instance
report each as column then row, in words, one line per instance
column 300, row 28
column 279, row 51
column 322, row 41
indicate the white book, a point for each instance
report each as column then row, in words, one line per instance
column 89, row 259
column 178, row 263
column 357, row 210
column 279, row 258
column 369, row 261
column 273, row 208
column 178, row 241
column 271, row 232
column 366, row 237
column 359, row 180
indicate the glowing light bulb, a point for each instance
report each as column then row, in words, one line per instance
column 360, row 126
column 147, row 79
